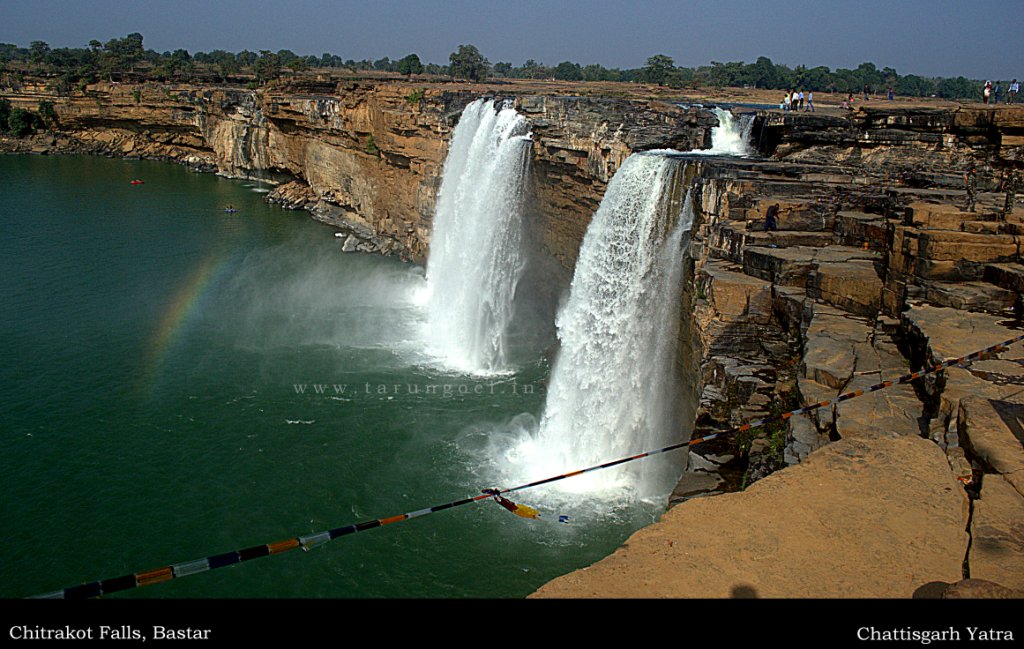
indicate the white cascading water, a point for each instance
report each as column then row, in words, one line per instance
column 613, row 390
column 732, row 135
column 476, row 256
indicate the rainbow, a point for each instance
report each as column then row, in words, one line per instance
column 184, row 302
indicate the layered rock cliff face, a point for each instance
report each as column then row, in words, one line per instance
column 367, row 157
column 875, row 269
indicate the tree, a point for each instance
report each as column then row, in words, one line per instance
column 658, row 68
column 268, row 66
column 468, row 63
column 228, row 66
column 533, row 70
column 245, row 57
column 679, row 78
column 21, row 122
column 47, row 114
column 915, row 86
column 958, row 88
column 38, row 51
column 568, row 71
column 5, row 114
column 595, row 72
column 122, row 53
column 502, row 69
column 763, row 73
column 179, row 62
column 410, row 65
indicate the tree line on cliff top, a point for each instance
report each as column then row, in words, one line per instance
column 125, row 59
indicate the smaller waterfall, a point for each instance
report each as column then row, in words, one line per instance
column 476, row 257
column 253, row 149
column 732, row 135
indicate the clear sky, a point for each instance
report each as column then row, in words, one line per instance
column 975, row 38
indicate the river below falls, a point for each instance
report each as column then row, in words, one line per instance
column 178, row 382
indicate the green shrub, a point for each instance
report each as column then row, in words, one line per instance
column 5, row 115
column 47, row 114
column 22, row 122
column 415, row 97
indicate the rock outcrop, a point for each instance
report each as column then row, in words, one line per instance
column 849, row 522
column 874, row 270
column 366, row 157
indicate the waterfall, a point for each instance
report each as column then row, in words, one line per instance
column 732, row 135
column 476, row 258
column 250, row 157
column 613, row 390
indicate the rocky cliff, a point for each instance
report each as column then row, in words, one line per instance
column 875, row 269
column 367, row 156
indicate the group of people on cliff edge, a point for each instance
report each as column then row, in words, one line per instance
column 994, row 94
column 794, row 101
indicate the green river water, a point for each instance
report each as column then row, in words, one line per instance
column 159, row 403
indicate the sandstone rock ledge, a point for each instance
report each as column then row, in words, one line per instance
column 849, row 522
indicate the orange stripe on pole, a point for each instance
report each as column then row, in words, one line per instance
column 283, row 546
column 154, row 576
column 393, row 519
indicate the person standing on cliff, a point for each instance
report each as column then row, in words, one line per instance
column 810, row 101
column 771, row 218
column 1011, row 96
column 986, row 93
column 971, row 184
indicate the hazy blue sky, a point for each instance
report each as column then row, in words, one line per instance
column 975, row 38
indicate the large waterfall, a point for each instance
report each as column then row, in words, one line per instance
column 613, row 390
column 476, row 256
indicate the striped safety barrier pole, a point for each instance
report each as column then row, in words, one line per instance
column 174, row 571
